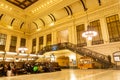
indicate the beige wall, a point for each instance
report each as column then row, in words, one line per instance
column 69, row 24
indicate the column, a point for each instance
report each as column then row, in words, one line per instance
column 54, row 37
column 44, row 41
column 119, row 9
column 73, row 35
column 7, row 46
column 104, row 30
column 29, row 44
column 37, row 44
column 72, row 32
column 18, row 43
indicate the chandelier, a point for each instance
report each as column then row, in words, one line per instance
column 89, row 34
column 22, row 49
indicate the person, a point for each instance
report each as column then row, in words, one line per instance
column 109, row 59
column 12, row 67
column 1, row 70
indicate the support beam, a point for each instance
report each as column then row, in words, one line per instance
column 21, row 25
column 54, row 19
column 36, row 25
column 12, row 21
column 70, row 10
column 42, row 21
column 67, row 10
column 51, row 17
column 1, row 16
column 99, row 1
column 83, row 4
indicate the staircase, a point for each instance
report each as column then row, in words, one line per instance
column 98, row 57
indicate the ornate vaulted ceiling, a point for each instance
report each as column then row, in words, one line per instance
column 22, row 3
column 31, row 15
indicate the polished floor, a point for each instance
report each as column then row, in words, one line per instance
column 70, row 74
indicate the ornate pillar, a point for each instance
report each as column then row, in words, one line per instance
column 18, row 43
column 54, row 37
column 44, row 40
column 7, row 46
column 69, row 34
column 29, row 44
column 72, row 35
column 104, row 30
column 37, row 44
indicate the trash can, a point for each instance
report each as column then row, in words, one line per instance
column 9, row 73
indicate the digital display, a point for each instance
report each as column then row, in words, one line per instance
column 54, row 48
column 117, row 58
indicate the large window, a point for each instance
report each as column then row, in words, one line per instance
column 13, row 44
column 96, row 26
column 63, row 36
column 49, row 39
column 80, row 40
column 113, row 25
column 2, row 41
column 34, row 45
column 22, row 42
column 40, row 42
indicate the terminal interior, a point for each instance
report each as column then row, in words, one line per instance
column 67, row 39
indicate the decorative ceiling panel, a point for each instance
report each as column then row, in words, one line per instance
column 22, row 3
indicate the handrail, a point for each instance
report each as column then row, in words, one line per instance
column 103, row 59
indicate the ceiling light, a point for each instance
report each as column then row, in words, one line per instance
column 39, row 29
column 21, row 54
column 22, row 49
column 42, row 6
column 1, row 58
column 9, row 58
column 51, row 24
column 11, row 53
column 6, row 6
column 39, row 7
column 48, row 3
column 30, row 59
column 33, row 55
column 2, row 52
column 51, row 1
column 32, row 11
column 10, row 8
column 89, row 34
column 10, row 27
column 24, row 59
column 2, row 5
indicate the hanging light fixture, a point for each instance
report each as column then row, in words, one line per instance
column 89, row 33
column 22, row 49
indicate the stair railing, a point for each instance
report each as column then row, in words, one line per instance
column 82, row 51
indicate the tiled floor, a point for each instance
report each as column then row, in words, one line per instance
column 70, row 74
